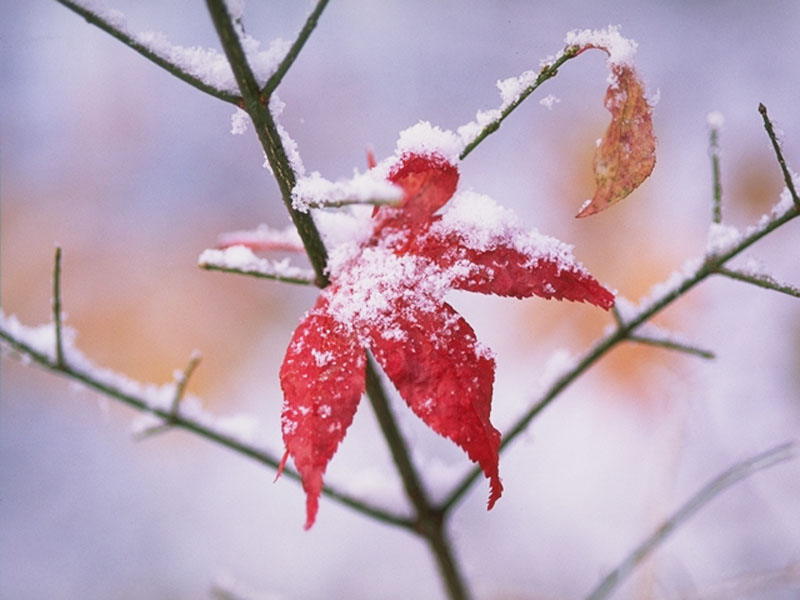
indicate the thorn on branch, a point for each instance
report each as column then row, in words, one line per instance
column 181, row 381
column 776, row 146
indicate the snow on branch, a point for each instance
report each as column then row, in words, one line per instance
column 240, row 433
column 204, row 68
column 240, row 259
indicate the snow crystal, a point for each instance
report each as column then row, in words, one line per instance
column 239, row 120
column 471, row 130
column 620, row 50
column 721, row 238
column 715, row 120
column 241, row 258
column 424, row 138
column 548, row 101
column 316, row 191
column 322, row 358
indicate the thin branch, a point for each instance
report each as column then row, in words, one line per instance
column 787, row 176
column 256, row 106
column 260, row 274
column 672, row 345
column 764, row 281
column 547, row 72
column 88, row 376
column 430, row 522
column 716, row 178
column 148, row 53
column 620, row 334
column 311, row 22
column 57, row 308
column 711, row 490
column 180, row 389
column 393, row 202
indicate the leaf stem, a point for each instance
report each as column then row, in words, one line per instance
column 148, row 53
column 430, row 522
column 311, row 22
column 547, row 72
column 787, row 176
column 256, row 106
column 199, row 426
column 57, row 308
column 711, row 490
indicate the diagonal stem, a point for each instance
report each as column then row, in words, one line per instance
column 787, row 176
column 256, row 106
column 620, row 334
column 548, row 72
column 311, row 22
column 430, row 522
column 711, row 490
column 90, row 377
column 127, row 39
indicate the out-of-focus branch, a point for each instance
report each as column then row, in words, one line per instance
column 787, row 176
column 711, row 490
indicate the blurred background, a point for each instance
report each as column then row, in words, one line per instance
column 133, row 173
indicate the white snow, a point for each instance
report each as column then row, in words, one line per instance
column 424, row 138
column 242, row 259
column 513, row 87
column 239, row 120
column 276, row 107
column 548, row 101
column 315, row 191
column 620, row 50
column 715, row 120
column 264, row 237
column 721, row 238
column 242, row 429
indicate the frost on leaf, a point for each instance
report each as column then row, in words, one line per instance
column 440, row 371
column 626, row 154
column 387, row 294
column 322, row 378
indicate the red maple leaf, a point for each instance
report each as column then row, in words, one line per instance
column 387, row 295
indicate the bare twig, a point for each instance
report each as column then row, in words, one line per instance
column 547, row 72
column 787, row 176
column 670, row 344
column 180, row 389
column 716, row 178
column 764, row 281
column 711, row 490
column 148, row 53
column 57, row 308
column 294, row 51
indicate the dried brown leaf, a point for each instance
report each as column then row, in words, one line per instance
column 626, row 154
